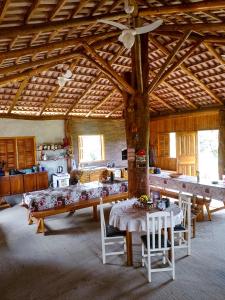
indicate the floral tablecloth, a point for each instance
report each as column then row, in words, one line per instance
column 60, row 197
column 189, row 184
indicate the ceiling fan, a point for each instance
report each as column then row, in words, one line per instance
column 127, row 37
column 64, row 78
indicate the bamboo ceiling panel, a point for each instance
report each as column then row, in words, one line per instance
column 40, row 40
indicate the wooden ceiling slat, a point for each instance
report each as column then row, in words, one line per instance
column 57, row 8
column 29, row 13
column 114, row 110
column 3, row 8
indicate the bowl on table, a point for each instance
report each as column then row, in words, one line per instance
column 175, row 175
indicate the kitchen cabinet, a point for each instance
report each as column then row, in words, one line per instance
column 26, row 152
column 30, row 182
column 16, row 184
column 42, row 180
column 8, row 152
column 4, row 186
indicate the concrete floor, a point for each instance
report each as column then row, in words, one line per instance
column 66, row 263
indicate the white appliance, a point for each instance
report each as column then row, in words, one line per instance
column 60, row 179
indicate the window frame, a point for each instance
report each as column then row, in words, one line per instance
column 80, row 148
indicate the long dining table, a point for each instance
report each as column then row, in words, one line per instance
column 127, row 217
column 189, row 184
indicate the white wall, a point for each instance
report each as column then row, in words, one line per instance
column 49, row 131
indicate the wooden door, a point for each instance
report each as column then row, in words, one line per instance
column 30, row 182
column 16, row 184
column 42, row 180
column 4, row 186
column 187, row 152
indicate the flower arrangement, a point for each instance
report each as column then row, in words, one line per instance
column 143, row 199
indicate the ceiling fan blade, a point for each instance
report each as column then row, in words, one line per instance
column 118, row 25
column 68, row 74
column 149, row 27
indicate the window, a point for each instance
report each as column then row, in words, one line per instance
column 91, row 148
column 173, row 145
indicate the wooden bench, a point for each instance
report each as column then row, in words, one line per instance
column 39, row 216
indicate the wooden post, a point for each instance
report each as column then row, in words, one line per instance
column 221, row 152
column 137, row 116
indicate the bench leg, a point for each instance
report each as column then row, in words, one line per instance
column 30, row 220
column 193, row 227
column 41, row 226
column 95, row 213
column 208, row 211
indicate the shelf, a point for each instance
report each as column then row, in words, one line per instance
column 53, row 159
column 51, row 149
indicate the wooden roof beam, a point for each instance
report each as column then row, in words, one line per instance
column 173, row 9
column 19, row 93
column 177, row 64
column 168, row 61
column 157, row 98
column 34, row 5
column 101, row 103
column 213, row 52
column 95, row 80
column 188, row 72
column 78, row 8
column 57, row 8
column 98, row 6
column 109, row 69
column 3, row 8
column 114, row 110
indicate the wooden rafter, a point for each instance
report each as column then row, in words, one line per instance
column 177, row 64
column 101, row 103
column 113, row 60
column 115, row 4
column 213, row 52
column 109, row 69
column 188, row 72
column 78, row 8
column 57, row 8
column 3, row 8
column 200, row 6
column 114, row 110
column 19, row 93
column 99, row 5
column 33, row 6
column 153, row 95
column 168, row 61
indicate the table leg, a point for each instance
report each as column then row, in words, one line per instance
column 129, row 248
column 95, row 213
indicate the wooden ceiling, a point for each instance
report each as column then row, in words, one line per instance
column 40, row 40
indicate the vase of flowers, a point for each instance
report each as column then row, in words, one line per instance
column 145, row 201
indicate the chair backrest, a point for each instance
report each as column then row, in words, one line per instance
column 102, row 218
column 185, row 206
column 157, row 223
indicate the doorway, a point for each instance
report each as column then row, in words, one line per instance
column 208, row 154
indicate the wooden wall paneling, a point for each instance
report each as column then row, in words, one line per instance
column 16, row 184
column 4, row 186
column 30, row 182
column 42, row 180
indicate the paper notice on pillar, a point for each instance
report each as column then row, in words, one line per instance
column 131, row 154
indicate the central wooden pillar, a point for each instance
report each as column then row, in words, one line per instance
column 137, row 118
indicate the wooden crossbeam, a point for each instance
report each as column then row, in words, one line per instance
column 114, row 110
column 188, row 72
column 57, row 8
column 157, row 98
column 78, row 8
column 109, row 69
column 183, row 8
column 29, row 12
column 177, row 64
column 101, row 103
column 114, row 5
column 100, row 38
column 200, row 6
column 168, row 61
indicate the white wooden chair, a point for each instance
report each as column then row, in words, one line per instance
column 182, row 232
column 111, row 236
column 157, row 243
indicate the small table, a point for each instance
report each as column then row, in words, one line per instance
column 125, row 217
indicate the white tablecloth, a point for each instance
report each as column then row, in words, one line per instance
column 125, row 217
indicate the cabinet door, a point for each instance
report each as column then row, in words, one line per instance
column 4, row 186
column 26, row 152
column 16, row 184
column 42, row 180
column 8, row 153
column 30, row 182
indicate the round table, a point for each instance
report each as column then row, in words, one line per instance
column 126, row 217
